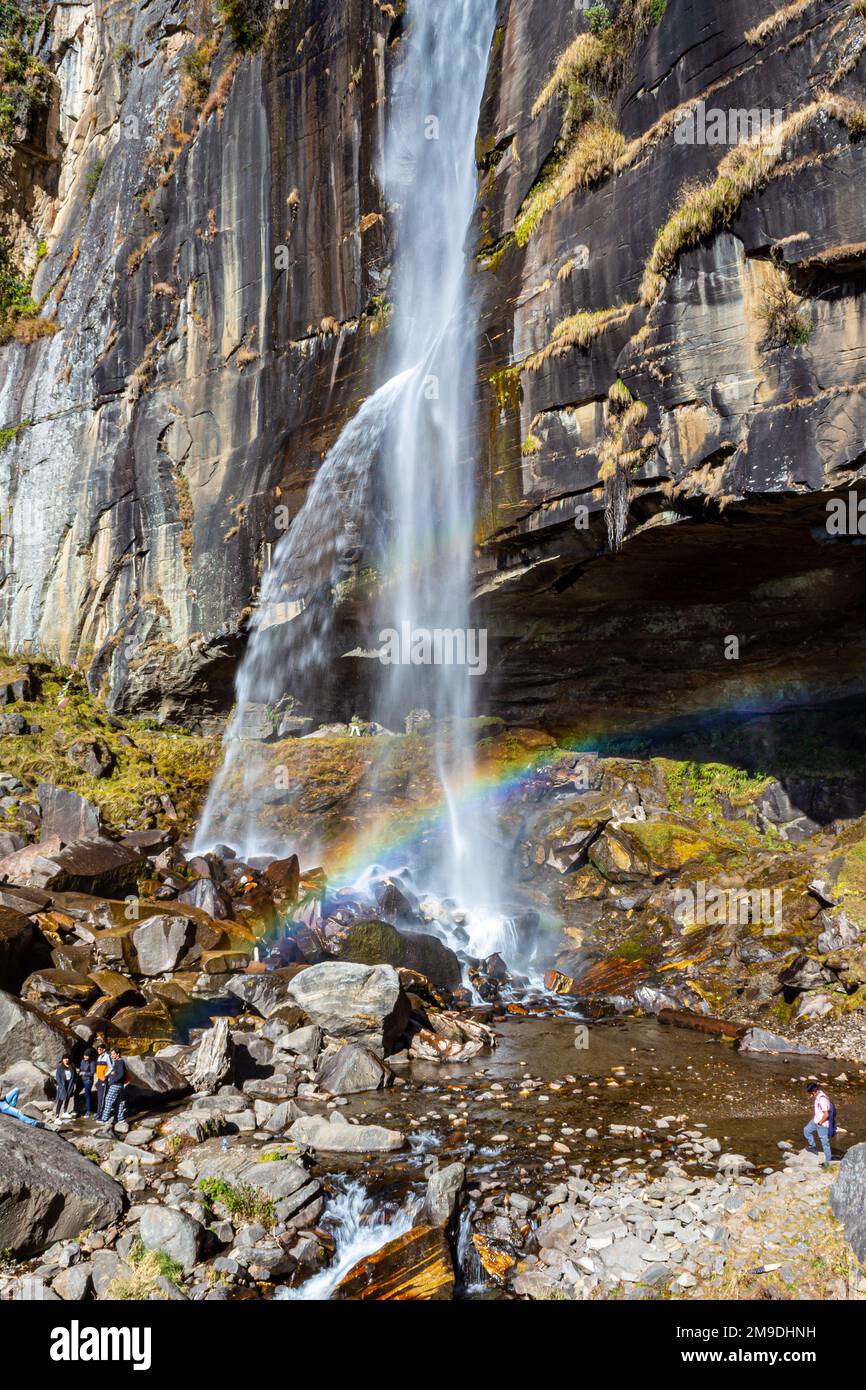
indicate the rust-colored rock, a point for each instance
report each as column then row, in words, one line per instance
column 496, row 1259
column 701, row 1023
column 416, row 1266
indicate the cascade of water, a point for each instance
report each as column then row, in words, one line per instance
column 360, row 1227
column 414, row 436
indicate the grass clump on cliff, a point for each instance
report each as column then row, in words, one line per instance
column 777, row 21
column 707, row 208
column 785, row 322
column 579, row 330
column 587, row 78
column 25, row 82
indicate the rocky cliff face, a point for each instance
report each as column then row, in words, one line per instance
column 671, row 366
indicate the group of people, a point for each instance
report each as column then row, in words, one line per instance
column 102, row 1070
column 99, row 1079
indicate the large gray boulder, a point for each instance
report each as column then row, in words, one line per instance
column 336, row 1135
column 350, row 1069
column 27, row 1035
column 48, row 1190
column 161, row 943
column 364, row 1002
column 848, row 1199
column 175, row 1232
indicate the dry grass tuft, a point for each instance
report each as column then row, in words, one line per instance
column 578, row 331
column 779, row 20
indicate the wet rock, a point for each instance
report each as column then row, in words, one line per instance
column 444, row 1194
column 374, row 943
column 338, row 1136
column 848, row 1199
column 354, row 1001
column 66, row 815
column 25, row 1032
column 496, row 1257
column 162, row 943
column 49, row 1191
column 415, row 1266
column 351, row 1069
column 214, row 1059
column 433, row 1047
column 175, row 1232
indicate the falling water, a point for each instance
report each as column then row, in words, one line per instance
column 361, row 1227
column 398, row 484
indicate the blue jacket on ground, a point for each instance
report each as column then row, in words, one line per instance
column 9, row 1106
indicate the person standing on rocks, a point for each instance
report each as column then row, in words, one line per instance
column 114, row 1084
column 66, row 1081
column 87, row 1072
column 103, row 1067
column 822, row 1123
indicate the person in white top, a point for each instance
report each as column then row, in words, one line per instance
column 819, row 1125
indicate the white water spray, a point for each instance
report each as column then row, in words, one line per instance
column 360, row 1229
column 411, row 443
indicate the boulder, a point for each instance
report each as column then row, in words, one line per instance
column 759, row 1040
column 848, row 1199
column 838, row 933
column 154, row 1075
column 31, row 1082
column 23, row 949
column 59, row 986
column 161, row 943
column 350, row 1069
column 89, row 866
column 214, row 1060
column 66, row 815
column 354, row 1001
column 304, row 1045
column 416, row 1266
column 380, row 943
column 444, row 1193
column 48, row 1190
column 25, row 1033
column 73, row 1284
column 175, row 1232
column 92, row 756
column 263, row 993
column 336, row 1135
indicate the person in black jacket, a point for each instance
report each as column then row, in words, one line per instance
column 114, row 1084
column 87, row 1072
column 66, row 1081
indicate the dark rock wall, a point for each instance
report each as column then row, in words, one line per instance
column 194, row 388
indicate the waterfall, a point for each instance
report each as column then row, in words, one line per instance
column 361, row 1226
column 405, row 460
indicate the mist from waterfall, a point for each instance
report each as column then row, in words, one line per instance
column 410, row 444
